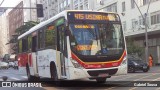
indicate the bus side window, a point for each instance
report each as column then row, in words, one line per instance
column 24, row 44
column 20, row 46
column 29, row 43
column 41, row 38
column 34, row 43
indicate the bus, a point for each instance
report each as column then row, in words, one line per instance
column 74, row 44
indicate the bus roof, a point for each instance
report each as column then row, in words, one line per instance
column 62, row 14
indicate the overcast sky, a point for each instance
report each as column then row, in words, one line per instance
column 9, row 3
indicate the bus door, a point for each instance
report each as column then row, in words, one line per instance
column 62, row 47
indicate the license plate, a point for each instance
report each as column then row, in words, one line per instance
column 103, row 75
column 144, row 67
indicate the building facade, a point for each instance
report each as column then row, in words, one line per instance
column 15, row 19
column 132, row 13
column 30, row 14
column 3, row 35
column 53, row 7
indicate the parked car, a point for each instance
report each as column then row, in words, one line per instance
column 136, row 64
column 11, row 64
column 16, row 65
column 4, row 65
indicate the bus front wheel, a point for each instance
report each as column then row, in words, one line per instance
column 101, row 80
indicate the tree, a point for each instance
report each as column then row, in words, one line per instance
column 22, row 29
column 134, row 49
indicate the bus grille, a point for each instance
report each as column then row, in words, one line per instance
column 97, row 72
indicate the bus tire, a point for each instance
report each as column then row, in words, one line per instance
column 53, row 72
column 101, row 80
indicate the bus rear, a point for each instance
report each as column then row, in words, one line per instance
column 97, row 45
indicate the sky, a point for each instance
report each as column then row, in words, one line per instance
column 9, row 3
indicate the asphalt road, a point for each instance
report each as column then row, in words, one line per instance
column 123, row 82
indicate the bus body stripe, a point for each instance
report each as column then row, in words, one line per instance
column 113, row 63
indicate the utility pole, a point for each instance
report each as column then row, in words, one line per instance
column 146, row 37
column 146, row 28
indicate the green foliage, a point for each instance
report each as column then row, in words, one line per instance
column 134, row 49
column 22, row 29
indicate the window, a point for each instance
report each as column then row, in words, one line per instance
column 145, row 2
column 134, row 23
column 123, row 7
column 111, row 8
column 132, row 4
column 141, row 22
column 50, row 36
column 34, row 42
column 69, row 2
column 29, row 42
column 40, row 39
column 75, row 2
column 155, row 17
column 124, row 25
column 81, row 7
column 24, row 44
column 86, row 6
column 65, row 3
column 20, row 46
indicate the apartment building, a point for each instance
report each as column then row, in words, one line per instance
column 53, row 7
column 133, row 22
column 30, row 14
column 3, row 35
column 15, row 20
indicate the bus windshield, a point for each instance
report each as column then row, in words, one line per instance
column 96, row 39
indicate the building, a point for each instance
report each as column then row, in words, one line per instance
column 15, row 19
column 53, row 7
column 133, row 22
column 3, row 35
column 25, row 11
column 30, row 14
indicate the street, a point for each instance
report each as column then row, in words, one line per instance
column 119, row 84
column 12, row 74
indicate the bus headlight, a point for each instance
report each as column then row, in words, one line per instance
column 124, row 61
column 76, row 64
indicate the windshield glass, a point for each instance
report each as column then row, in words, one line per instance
column 96, row 39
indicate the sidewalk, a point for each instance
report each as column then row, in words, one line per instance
column 154, row 69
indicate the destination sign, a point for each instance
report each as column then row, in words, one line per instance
column 84, row 26
column 92, row 17
column 86, row 47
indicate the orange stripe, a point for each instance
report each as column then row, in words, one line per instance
column 113, row 61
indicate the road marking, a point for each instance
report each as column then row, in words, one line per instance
column 158, row 89
column 125, row 77
column 156, row 79
column 14, row 78
column 121, row 79
column 143, row 78
column 24, row 76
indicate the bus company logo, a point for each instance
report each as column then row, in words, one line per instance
column 6, row 84
column 103, row 65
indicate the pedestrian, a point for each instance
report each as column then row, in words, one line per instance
column 150, row 60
